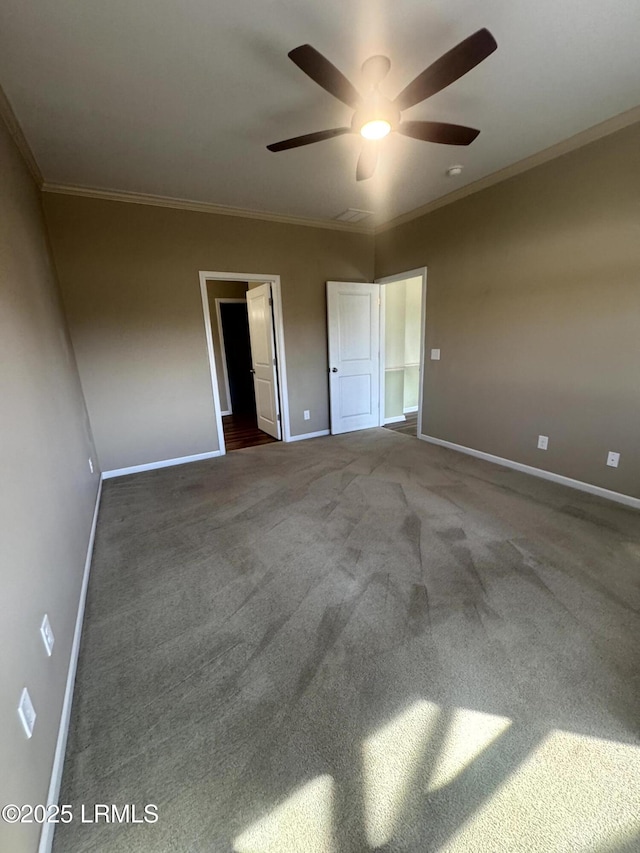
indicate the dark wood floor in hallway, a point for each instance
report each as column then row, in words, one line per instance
column 241, row 431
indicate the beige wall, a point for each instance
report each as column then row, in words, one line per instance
column 129, row 278
column 47, row 494
column 534, row 300
column 222, row 290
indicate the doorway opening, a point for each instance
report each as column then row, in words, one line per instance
column 376, row 334
column 237, row 393
column 402, row 325
column 245, row 341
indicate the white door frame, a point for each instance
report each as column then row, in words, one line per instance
column 276, row 292
column 390, row 279
column 223, row 352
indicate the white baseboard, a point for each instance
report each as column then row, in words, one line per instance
column 410, row 410
column 618, row 497
column 306, row 435
column 395, row 420
column 228, row 412
column 164, row 463
column 46, row 836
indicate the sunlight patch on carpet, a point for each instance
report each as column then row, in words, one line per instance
column 303, row 822
column 468, row 735
column 572, row 793
column 392, row 757
column 395, row 756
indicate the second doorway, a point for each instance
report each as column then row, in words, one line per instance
column 228, row 304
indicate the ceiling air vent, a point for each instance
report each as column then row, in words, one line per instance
column 351, row 214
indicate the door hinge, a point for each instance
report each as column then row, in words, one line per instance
column 274, row 362
column 278, row 415
column 270, row 301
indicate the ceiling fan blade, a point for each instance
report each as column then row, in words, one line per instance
column 438, row 131
column 325, row 74
column 308, row 139
column 367, row 161
column 450, row 67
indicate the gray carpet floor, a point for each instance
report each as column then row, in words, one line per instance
column 409, row 426
column 358, row 643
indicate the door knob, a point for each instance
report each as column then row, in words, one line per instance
column 251, row 370
column 334, row 369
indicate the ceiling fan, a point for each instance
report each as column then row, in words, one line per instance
column 376, row 115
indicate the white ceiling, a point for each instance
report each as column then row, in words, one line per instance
column 180, row 97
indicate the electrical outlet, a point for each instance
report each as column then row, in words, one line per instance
column 435, row 355
column 27, row 712
column 613, row 459
column 307, row 414
column 543, row 442
column 91, row 464
column 47, row 635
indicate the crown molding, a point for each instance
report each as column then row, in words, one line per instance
column 574, row 142
column 592, row 134
column 15, row 131
column 201, row 207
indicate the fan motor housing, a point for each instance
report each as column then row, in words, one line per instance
column 375, row 108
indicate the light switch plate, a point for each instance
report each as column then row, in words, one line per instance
column 307, row 414
column 27, row 712
column 435, row 355
column 543, row 442
column 46, row 633
column 613, row 459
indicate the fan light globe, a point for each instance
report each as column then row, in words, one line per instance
column 376, row 129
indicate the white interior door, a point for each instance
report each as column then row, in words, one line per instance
column 263, row 358
column 354, row 339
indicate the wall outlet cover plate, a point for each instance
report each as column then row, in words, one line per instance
column 46, row 632
column 27, row 712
